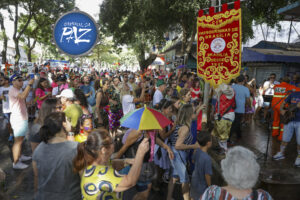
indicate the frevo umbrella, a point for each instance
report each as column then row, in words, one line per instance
column 145, row 119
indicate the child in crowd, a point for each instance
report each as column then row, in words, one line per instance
column 201, row 177
column 86, row 128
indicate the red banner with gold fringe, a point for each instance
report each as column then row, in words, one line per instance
column 219, row 44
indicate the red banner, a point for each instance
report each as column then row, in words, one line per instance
column 219, row 44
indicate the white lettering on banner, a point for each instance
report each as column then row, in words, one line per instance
column 70, row 31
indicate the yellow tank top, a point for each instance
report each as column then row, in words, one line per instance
column 99, row 182
column 80, row 138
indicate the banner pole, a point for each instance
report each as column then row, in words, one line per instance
column 206, row 92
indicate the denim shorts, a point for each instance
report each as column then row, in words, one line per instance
column 20, row 128
column 266, row 104
column 288, row 131
column 178, row 164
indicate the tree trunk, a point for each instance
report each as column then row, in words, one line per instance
column 144, row 63
column 5, row 40
column 30, row 48
column 184, row 38
column 16, row 37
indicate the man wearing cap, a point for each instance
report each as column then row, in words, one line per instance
column 19, row 118
column 158, row 95
column 73, row 111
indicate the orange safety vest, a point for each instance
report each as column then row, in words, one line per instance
column 280, row 91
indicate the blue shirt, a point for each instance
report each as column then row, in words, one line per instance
column 241, row 94
column 90, row 99
column 203, row 166
column 294, row 98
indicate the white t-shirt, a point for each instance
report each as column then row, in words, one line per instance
column 157, row 97
column 5, row 102
column 270, row 87
column 127, row 103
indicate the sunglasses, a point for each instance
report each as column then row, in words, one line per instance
column 20, row 80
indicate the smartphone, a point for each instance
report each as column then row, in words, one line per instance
column 31, row 76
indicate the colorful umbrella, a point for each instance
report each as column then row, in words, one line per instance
column 145, row 119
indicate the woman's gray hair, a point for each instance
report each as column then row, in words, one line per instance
column 240, row 168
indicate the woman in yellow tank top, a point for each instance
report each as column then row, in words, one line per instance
column 100, row 178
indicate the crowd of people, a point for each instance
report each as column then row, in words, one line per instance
column 80, row 150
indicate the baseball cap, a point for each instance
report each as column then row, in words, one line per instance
column 67, row 93
column 15, row 77
column 61, row 78
column 159, row 82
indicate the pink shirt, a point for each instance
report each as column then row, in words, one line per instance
column 39, row 93
column 17, row 106
column 53, row 85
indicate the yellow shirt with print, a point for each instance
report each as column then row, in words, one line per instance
column 99, row 182
column 80, row 138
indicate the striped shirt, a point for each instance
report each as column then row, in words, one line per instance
column 174, row 136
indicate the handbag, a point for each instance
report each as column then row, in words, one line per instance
column 148, row 172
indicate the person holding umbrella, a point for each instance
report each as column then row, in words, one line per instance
column 143, row 119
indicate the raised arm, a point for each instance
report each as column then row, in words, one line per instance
column 130, row 180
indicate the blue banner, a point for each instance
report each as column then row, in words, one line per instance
column 75, row 33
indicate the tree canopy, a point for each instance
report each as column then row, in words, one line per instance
column 142, row 23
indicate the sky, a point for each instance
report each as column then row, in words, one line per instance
column 92, row 8
column 89, row 6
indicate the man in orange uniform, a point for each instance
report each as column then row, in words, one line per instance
column 281, row 91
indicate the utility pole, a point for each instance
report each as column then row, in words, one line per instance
column 207, row 88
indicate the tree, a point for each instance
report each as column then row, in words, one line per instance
column 3, row 37
column 134, row 24
column 44, row 14
column 4, row 5
column 141, row 24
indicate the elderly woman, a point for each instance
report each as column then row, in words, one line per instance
column 240, row 181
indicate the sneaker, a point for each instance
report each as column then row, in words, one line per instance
column 25, row 158
column 11, row 138
column 279, row 156
column 297, row 161
column 19, row 165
